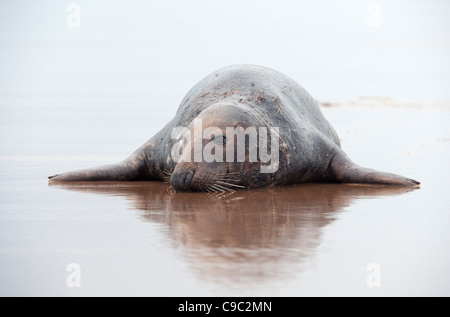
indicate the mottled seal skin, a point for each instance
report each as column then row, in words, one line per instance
column 245, row 96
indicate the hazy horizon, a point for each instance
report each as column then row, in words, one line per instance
column 336, row 50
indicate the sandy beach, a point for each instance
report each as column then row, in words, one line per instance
column 310, row 239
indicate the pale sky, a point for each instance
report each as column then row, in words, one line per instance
column 335, row 49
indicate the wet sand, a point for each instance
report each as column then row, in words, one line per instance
column 136, row 238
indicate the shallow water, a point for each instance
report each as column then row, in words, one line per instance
column 138, row 239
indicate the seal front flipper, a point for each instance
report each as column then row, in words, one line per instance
column 341, row 169
column 127, row 170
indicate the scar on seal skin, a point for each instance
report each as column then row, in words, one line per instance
column 244, row 96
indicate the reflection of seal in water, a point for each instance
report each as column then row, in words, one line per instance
column 245, row 96
column 250, row 236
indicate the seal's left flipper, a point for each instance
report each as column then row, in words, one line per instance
column 343, row 170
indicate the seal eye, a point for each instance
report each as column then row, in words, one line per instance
column 220, row 140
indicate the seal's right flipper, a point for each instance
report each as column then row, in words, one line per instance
column 343, row 170
column 130, row 169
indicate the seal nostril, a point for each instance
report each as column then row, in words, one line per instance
column 182, row 179
column 189, row 178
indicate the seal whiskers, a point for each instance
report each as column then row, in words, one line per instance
column 167, row 176
column 229, row 184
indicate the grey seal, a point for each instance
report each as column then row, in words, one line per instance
column 243, row 96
